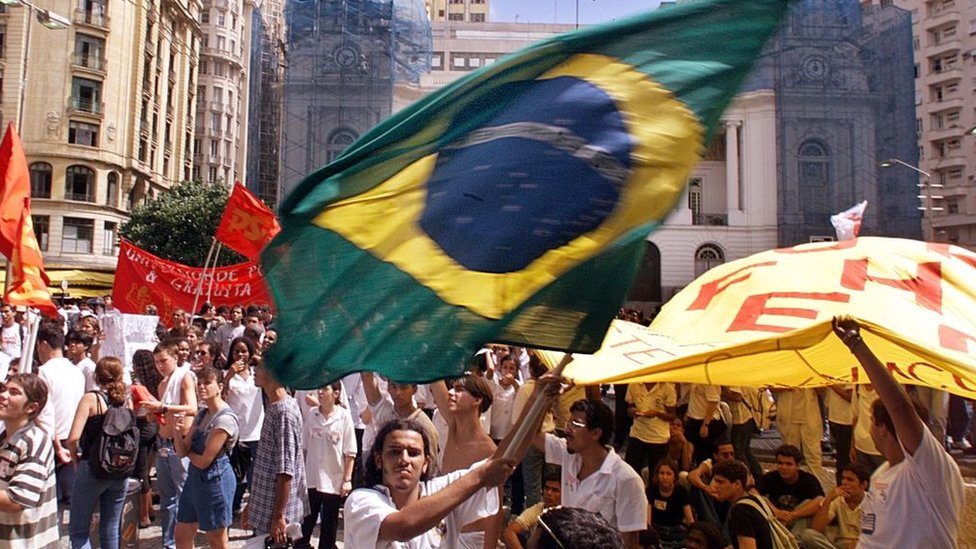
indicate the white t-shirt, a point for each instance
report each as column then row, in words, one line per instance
column 65, row 387
column 658, row 398
column 244, row 398
column 861, row 401
column 87, row 368
column 366, row 508
column 798, row 406
column 327, row 440
column 838, row 409
column 699, row 397
column 224, row 334
column 10, row 341
column 916, row 503
column 502, row 404
column 615, row 491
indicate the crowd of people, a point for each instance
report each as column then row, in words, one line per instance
column 216, row 436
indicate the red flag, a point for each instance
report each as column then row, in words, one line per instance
column 28, row 286
column 15, row 193
column 247, row 224
column 142, row 279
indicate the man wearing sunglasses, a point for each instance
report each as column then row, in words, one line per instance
column 594, row 477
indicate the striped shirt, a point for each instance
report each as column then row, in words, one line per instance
column 279, row 453
column 27, row 475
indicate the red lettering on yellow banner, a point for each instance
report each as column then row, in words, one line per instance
column 927, row 285
column 710, row 289
column 952, row 252
column 951, row 338
column 754, row 307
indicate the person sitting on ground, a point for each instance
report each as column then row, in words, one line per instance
column 794, row 495
column 916, row 498
column 844, row 505
column 402, row 504
column 574, row 528
column 704, row 499
column 520, row 529
column 669, row 505
column 748, row 527
column 702, row 535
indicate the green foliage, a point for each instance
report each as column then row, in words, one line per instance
column 180, row 224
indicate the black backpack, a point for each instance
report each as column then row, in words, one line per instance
column 113, row 450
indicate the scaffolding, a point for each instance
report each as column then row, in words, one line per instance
column 350, row 64
column 265, row 108
column 843, row 75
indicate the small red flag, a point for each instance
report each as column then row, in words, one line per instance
column 28, row 285
column 247, row 224
column 16, row 189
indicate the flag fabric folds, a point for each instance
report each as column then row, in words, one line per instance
column 28, row 284
column 16, row 189
column 510, row 206
column 247, row 224
column 765, row 320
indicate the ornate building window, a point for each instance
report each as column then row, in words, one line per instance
column 338, row 141
column 40, row 178
column 79, row 183
column 813, row 161
column 706, row 257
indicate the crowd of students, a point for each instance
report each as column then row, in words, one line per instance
column 436, row 465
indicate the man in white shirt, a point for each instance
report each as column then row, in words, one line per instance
column 842, row 505
column 11, row 334
column 229, row 331
column 76, row 350
column 402, row 508
column 916, row 498
column 594, row 477
column 66, row 386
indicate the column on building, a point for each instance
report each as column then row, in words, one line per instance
column 732, row 184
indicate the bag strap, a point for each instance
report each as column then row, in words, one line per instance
column 758, row 506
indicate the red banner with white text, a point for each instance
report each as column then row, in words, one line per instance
column 143, row 279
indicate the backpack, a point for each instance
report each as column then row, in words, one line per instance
column 781, row 536
column 113, row 449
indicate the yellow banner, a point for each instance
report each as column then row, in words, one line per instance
column 765, row 320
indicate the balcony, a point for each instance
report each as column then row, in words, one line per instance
column 89, row 106
column 145, row 128
column 93, row 16
column 941, row 17
column 79, row 196
column 216, row 132
column 953, row 101
column 710, row 219
column 947, row 74
column 945, row 46
column 218, row 106
column 88, row 61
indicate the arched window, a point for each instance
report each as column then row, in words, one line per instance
column 338, row 141
column 79, row 183
column 706, row 257
column 814, row 177
column 40, row 178
column 112, row 190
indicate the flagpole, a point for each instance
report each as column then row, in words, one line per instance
column 196, row 295
column 33, row 321
column 530, row 421
column 213, row 270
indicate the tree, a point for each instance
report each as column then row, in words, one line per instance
column 180, row 225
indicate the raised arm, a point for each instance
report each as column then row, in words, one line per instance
column 908, row 425
column 371, row 388
column 438, row 390
column 422, row 514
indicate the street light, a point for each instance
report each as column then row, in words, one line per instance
column 927, row 197
column 50, row 20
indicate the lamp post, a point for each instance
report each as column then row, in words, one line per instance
column 925, row 199
column 50, row 20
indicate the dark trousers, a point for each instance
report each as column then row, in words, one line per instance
column 622, row 421
column 326, row 507
column 841, row 436
column 959, row 418
column 741, row 435
column 642, row 454
column 243, row 455
column 703, row 446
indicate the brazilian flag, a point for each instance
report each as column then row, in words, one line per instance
column 511, row 206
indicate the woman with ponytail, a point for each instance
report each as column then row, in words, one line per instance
column 107, row 494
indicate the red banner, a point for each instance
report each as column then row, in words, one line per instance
column 247, row 224
column 143, row 279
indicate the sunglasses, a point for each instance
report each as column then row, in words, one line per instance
column 548, row 530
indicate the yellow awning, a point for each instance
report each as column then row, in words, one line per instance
column 81, row 283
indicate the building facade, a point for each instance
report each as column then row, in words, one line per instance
column 265, row 100
column 220, row 145
column 474, row 11
column 944, row 45
column 107, row 113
